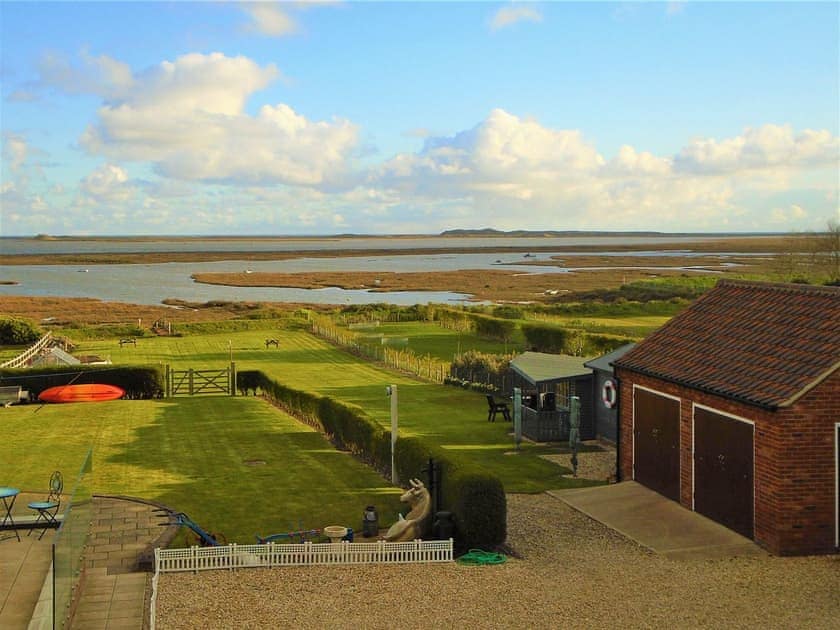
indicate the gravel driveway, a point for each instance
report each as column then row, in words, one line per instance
column 573, row 573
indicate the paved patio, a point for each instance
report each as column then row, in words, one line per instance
column 114, row 588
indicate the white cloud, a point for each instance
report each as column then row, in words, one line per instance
column 15, row 150
column 270, row 19
column 766, row 147
column 510, row 15
column 100, row 75
column 515, row 171
column 107, row 184
column 188, row 118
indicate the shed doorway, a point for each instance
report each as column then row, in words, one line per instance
column 656, row 442
column 723, row 469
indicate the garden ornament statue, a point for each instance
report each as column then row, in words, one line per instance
column 415, row 523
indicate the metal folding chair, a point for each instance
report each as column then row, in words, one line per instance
column 48, row 508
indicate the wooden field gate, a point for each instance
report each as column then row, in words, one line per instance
column 192, row 382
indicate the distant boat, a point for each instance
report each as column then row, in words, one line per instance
column 249, row 271
column 90, row 392
column 83, row 270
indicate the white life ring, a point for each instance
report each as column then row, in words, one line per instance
column 609, row 393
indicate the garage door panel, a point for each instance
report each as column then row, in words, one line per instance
column 723, row 470
column 656, row 439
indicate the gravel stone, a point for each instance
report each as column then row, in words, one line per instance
column 573, row 572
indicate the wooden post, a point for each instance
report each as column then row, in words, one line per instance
column 232, row 377
column 191, row 381
column 167, row 387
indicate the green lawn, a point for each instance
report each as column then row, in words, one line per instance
column 191, row 454
column 453, row 418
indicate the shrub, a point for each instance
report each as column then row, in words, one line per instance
column 18, row 332
column 545, row 337
column 508, row 312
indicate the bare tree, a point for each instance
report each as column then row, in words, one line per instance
column 826, row 253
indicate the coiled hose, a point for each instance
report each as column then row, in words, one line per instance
column 481, row 557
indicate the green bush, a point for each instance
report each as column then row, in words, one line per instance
column 475, row 497
column 508, row 312
column 18, row 332
column 546, row 337
column 493, row 327
column 476, row 500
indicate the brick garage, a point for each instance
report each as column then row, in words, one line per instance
column 733, row 409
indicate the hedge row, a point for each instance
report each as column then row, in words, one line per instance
column 493, row 327
column 475, row 497
column 556, row 339
column 139, row 382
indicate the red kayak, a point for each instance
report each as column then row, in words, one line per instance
column 92, row 392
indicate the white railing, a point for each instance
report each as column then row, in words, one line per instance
column 294, row 554
column 300, row 554
column 22, row 359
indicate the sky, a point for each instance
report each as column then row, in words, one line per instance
column 299, row 118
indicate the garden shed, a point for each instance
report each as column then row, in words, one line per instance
column 732, row 409
column 54, row 356
column 605, row 393
column 547, row 382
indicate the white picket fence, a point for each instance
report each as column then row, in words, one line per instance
column 299, row 554
column 22, row 359
column 294, row 554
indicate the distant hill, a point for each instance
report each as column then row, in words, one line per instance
column 545, row 233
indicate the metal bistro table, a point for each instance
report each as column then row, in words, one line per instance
column 9, row 495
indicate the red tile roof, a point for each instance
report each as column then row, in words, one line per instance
column 761, row 343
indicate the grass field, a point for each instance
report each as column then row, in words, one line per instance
column 429, row 339
column 453, row 418
column 632, row 326
column 198, row 455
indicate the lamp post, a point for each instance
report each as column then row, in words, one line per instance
column 391, row 390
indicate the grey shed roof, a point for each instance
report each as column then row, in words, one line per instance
column 604, row 362
column 59, row 355
column 539, row 367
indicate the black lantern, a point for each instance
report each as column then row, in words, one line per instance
column 370, row 522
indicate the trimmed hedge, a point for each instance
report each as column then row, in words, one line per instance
column 493, row 327
column 475, row 497
column 139, row 382
column 545, row 338
column 558, row 340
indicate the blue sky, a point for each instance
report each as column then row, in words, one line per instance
column 397, row 117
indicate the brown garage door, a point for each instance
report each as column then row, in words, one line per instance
column 723, row 470
column 656, row 442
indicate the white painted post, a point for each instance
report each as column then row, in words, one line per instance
column 517, row 416
column 392, row 392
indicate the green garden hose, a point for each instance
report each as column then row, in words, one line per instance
column 480, row 557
